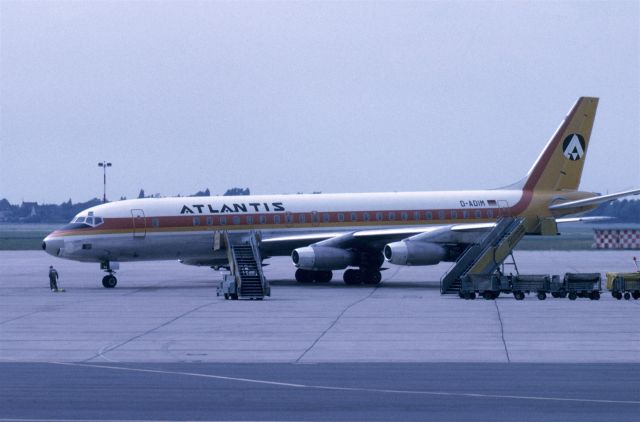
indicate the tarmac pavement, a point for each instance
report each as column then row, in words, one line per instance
column 168, row 312
column 163, row 346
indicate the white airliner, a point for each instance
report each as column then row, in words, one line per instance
column 325, row 232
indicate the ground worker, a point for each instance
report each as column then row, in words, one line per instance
column 53, row 279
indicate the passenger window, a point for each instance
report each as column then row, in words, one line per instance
column 379, row 216
column 223, row 221
column 236, row 220
column 429, row 215
column 441, row 215
column 478, row 214
column 340, row 216
column 209, row 221
column 196, row 221
column 263, row 219
column 392, row 216
column 490, row 213
column 314, row 217
column 404, row 216
column 276, row 219
column 454, row 215
column 366, row 216
column 326, row 217
column 354, row 216
column 416, row 215
column 155, row 222
column 301, row 218
column 249, row 219
column 465, row 214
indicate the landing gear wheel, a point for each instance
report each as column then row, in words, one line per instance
column 352, row 277
column 109, row 281
column 635, row 294
column 323, row 276
column 542, row 295
column 595, row 295
column 304, row 276
column 573, row 295
column 627, row 296
column 617, row 295
column 372, row 277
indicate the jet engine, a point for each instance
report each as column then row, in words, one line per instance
column 414, row 253
column 322, row 258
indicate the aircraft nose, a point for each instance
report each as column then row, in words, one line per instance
column 52, row 246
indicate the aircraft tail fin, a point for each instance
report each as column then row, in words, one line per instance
column 559, row 166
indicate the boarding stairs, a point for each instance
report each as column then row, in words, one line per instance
column 486, row 256
column 245, row 265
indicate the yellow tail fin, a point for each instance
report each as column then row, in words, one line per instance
column 559, row 167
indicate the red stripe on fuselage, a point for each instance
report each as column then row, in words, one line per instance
column 288, row 220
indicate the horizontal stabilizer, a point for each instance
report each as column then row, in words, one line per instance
column 594, row 219
column 593, row 201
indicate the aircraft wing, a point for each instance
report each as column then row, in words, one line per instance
column 375, row 238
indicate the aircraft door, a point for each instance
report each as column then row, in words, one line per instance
column 503, row 206
column 139, row 224
column 315, row 218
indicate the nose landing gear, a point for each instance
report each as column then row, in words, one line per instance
column 109, row 281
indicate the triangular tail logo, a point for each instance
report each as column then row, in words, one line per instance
column 573, row 147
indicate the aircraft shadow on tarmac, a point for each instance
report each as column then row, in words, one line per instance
column 432, row 285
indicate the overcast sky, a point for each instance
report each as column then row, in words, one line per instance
column 286, row 97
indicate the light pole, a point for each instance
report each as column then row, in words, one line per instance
column 104, row 166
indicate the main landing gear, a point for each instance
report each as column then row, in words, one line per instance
column 362, row 276
column 109, row 281
column 308, row 276
column 351, row 276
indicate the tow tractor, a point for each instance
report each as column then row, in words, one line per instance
column 625, row 285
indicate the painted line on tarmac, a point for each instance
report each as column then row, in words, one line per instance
column 104, row 420
column 353, row 389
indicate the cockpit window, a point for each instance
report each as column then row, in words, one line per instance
column 90, row 221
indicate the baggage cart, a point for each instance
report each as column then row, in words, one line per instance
column 583, row 285
column 487, row 286
column 539, row 284
column 557, row 287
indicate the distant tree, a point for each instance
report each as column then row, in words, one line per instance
column 205, row 192
column 141, row 194
column 623, row 211
column 237, row 192
column 5, row 205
